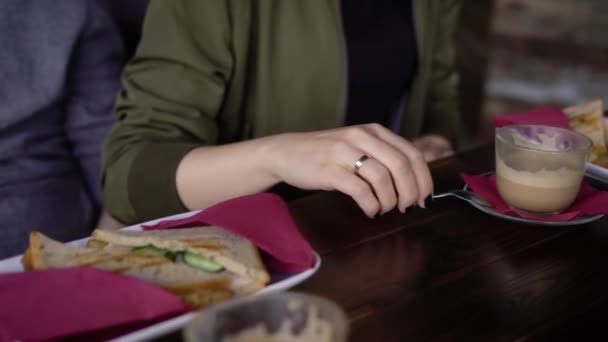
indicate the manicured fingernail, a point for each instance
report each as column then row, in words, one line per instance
column 428, row 201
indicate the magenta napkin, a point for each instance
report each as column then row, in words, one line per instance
column 66, row 303
column 588, row 202
column 545, row 115
column 264, row 219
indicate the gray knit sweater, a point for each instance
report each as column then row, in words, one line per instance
column 59, row 72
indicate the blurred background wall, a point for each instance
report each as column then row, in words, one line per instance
column 517, row 54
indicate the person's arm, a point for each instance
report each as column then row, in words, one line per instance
column 160, row 158
column 92, row 83
column 395, row 175
column 442, row 115
column 172, row 90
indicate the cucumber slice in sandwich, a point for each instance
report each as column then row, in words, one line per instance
column 171, row 255
column 202, row 263
column 151, row 250
column 188, row 258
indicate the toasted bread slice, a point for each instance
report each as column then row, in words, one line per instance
column 196, row 287
column 93, row 243
column 235, row 253
column 588, row 119
column 45, row 252
column 200, row 299
column 26, row 261
column 602, row 161
column 240, row 286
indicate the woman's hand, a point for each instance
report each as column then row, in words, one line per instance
column 433, row 147
column 395, row 174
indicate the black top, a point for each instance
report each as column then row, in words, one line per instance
column 382, row 57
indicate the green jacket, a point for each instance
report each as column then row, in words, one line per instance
column 220, row 71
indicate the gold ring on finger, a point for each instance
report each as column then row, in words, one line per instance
column 360, row 161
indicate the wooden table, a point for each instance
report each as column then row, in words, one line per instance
column 452, row 272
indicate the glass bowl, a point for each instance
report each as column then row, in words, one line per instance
column 539, row 169
column 283, row 316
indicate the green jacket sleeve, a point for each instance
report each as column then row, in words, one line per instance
column 172, row 90
column 442, row 115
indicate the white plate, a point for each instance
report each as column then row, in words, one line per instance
column 597, row 172
column 278, row 282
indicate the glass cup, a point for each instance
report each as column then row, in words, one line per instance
column 283, row 316
column 539, row 169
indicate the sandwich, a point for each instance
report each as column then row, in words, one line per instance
column 588, row 119
column 200, row 265
column 209, row 248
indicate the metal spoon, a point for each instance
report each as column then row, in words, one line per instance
column 465, row 195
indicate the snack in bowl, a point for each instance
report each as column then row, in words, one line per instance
column 200, row 265
column 588, row 119
column 279, row 317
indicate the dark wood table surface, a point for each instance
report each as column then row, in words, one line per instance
column 451, row 272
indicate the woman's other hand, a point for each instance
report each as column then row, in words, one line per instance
column 106, row 221
column 395, row 174
column 434, row 147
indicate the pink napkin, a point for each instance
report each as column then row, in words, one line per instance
column 74, row 302
column 588, row 202
column 264, row 219
column 545, row 115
